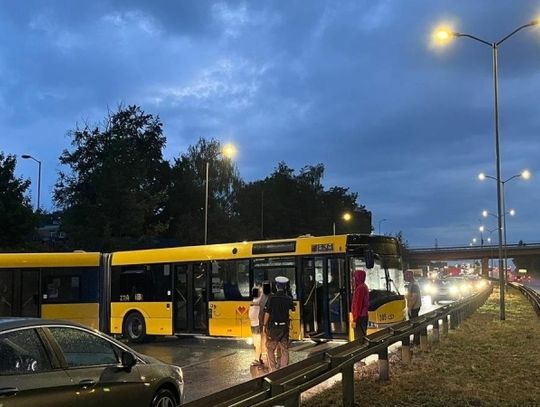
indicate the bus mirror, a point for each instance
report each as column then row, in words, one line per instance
column 370, row 258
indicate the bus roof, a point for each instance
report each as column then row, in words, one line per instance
column 239, row 250
column 32, row 260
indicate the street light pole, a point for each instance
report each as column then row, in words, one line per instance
column 381, row 221
column 444, row 36
column 26, row 157
column 228, row 151
column 206, row 205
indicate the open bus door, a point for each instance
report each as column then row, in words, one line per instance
column 324, row 300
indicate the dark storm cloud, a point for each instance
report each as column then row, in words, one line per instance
column 352, row 84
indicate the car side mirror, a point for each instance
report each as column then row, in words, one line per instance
column 128, row 360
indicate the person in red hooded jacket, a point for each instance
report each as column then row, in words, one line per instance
column 360, row 304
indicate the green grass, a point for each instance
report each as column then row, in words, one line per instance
column 485, row 362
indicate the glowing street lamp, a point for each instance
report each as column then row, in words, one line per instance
column 228, row 151
column 346, row 217
column 526, row 175
column 442, row 36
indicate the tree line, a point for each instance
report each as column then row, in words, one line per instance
column 116, row 191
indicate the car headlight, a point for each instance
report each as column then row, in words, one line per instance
column 430, row 289
column 464, row 288
column 481, row 284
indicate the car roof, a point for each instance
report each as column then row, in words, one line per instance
column 14, row 322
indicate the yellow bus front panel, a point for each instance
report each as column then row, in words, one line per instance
column 387, row 314
column 231, row 318
column 83, row 313
column 157, row 316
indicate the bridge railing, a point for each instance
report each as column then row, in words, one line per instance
column 473, row 248
column 285, row 386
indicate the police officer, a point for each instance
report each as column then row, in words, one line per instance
column 276, row 323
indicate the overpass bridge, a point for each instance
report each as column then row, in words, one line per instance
column 524, row 256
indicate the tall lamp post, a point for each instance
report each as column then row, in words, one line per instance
column 444, row 36
column 381, row 221
column 525, row 174
column 27, row 157
column 346, row 217
column 228, row 151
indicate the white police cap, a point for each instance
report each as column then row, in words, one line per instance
column 281, row 280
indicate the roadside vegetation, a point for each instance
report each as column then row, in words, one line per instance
column 485, row 362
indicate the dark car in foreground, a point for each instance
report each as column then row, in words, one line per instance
column 57, row 363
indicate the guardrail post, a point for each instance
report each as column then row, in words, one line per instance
column 423, row 340
column 406, row 350
column 293, row 401
column 454, row 320
column 436, row 331
column 445, row 325
column 347, row 381
column 383, row 365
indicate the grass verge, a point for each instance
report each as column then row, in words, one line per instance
column 485, row 362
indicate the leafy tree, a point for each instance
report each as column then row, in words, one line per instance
column 16, row 215
column 286, row 204
column 114, row 194
column 186, row 202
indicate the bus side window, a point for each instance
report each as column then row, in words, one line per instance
column 230, row 280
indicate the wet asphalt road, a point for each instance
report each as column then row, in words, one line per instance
column 214, row 364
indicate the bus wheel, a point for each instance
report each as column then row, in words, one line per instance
column 135, row 328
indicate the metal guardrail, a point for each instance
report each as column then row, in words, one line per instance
column 530, row 294
column 285, row 386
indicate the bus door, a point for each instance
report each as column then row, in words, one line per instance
column 19, row 293
column 324, row 299
column 190, row 298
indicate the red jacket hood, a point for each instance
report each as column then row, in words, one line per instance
column 359, row 277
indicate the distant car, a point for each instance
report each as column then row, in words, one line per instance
column 477, row 282
column 448, row 289
column 57, row 363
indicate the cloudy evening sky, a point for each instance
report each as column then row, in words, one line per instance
column 354, row 85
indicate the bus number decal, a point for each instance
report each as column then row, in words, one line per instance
column 322, row 247
column 386, row 316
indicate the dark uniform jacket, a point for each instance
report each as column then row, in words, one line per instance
column 278, row 306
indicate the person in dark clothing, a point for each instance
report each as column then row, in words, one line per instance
column 360, row 305
column 414, row 297
column 414, row 300
column 266, row 291
column 276, row 324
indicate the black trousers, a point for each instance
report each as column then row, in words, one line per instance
column 413, row 314
column 360, row 331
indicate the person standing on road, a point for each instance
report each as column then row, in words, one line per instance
column 414, row 300
column 266, row 291
column 276, row 324
column 360, row 305
column 254, row 309
column 414, row 297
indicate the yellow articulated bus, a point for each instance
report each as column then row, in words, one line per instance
column 206, row 289
column 53, row 285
